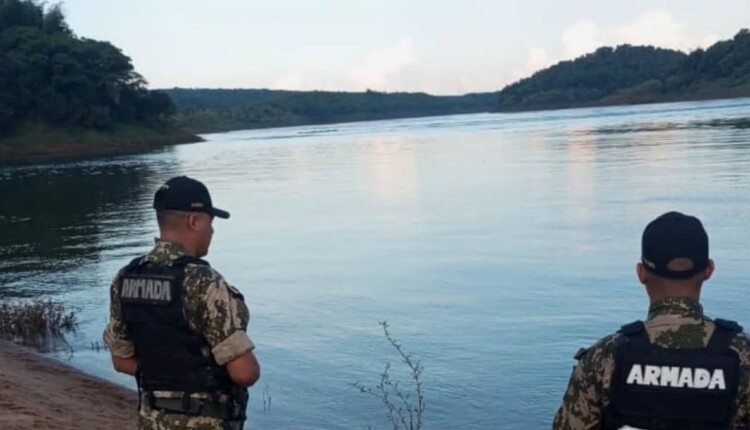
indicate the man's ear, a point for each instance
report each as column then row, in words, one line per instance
column 192, row 221
column 642, row 273
column 710, row 269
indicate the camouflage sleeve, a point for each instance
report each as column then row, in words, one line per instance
column 115, row 335
column 587, row 393
column 742, row 345
column 218, row 311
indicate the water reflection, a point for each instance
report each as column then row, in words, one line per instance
column 392, row 169
column 580, row 181
column 57, row 218
column 661, row 125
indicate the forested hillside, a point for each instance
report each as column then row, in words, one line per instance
column 636, row 74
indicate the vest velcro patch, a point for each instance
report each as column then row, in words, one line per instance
column 147, row 289
column 676, row 377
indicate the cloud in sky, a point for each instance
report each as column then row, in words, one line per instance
column 381, row 65
column 657, row 28
column 386, row 68
column 390, row 66
column 440, row 47
column 660, row 29
column 395, row 66
column 376, row 70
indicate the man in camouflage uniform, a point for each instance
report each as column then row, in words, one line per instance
column 611, row 388
column 206, row 344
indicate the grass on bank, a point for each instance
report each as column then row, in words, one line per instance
column 41, row 324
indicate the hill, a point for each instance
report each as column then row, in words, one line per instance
column 636, row 74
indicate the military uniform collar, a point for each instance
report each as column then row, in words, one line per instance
column 167, row 250
column 678, row 307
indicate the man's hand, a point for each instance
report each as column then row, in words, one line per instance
column 244, row 370
column 125, row 365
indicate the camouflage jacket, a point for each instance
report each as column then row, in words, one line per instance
column 671, row 323
column 212, row 307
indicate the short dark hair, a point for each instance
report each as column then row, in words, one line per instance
column 167, row 218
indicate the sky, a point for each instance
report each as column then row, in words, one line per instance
column 433, row 46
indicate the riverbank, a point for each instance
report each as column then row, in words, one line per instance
column 37, row 143
column 645, row 100
column 38, row 392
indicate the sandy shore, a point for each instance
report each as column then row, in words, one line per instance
column 40, row 393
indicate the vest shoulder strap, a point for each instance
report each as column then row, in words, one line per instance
column 728, row 324
column 580, row 354
column 137, row 261
column 724, row 334
column 636, row 334
column 632, row 328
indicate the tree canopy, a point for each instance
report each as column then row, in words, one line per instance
column 49, row 75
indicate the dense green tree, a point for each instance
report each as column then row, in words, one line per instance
column 592, row 77
column 49, row 75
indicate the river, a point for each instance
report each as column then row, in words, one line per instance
column 495, row 246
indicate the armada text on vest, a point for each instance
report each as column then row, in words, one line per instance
column 676, row 377
column 149, row 289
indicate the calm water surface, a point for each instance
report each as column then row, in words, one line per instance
column 494, row 245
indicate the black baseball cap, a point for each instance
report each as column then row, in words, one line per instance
column 182, row 193
column 671, row 236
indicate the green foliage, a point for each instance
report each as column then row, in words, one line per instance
column 48, row 75
column 726, row 61
column 221, row 98
column 204, row 110
column 636, row 74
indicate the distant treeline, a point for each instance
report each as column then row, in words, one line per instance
column 53, row 79
column 207, row 110
column 609, row 76
column 636, row 74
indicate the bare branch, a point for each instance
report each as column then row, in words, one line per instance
column 401, row 412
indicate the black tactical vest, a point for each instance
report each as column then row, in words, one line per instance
column 168, row 351
column 660, row 388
